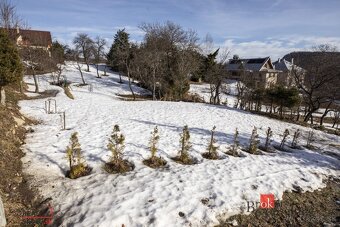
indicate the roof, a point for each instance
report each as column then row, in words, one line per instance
column 250, row 64
column 284, row 65
column 32, row 37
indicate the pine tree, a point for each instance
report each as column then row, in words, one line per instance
column 235, row 145
column 118, row 50
column 284, row 138
column 254, row 141
column 116, row 144
column 269, row 134
column 10, row 64
column 295, row 140
column 77, row 163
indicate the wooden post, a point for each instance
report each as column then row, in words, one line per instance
column 2, row 215
column 64, row 120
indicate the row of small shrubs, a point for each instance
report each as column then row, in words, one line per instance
column 117, row 164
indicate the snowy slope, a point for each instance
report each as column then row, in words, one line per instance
column 148, row 197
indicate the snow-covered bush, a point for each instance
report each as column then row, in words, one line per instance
column 185, row 146
column 212, row 147
column 77, row 163
column 254, row 142
column 116, row 145
column 154, row 161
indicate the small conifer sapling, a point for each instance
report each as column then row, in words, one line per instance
column 295, row 141
column 235, row 145
column 269, row 134
column 154, row 161
column 284, row 138
column 212, row 147
column 116, row 144
column 77, row 163
column 310, row 139
column 185, row 144
column 254, row 141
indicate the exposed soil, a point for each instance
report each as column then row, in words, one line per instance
column 318, row 208
column 18, row 198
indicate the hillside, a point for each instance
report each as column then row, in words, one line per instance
column 179, row 195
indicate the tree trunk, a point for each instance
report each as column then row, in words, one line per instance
column 105, row 70
column 35, row 83
column 88, row 67
column 120, row 78
column 154, row 85
column 82, row 76
column 2, row 96
column 97, row 68
column 128, row 74
column 298, row 114
column 325, row 113
column 217, row 93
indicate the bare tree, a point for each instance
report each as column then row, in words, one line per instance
column 8, row 15
column 171, row 53
column 99, row 55
column 74, row 55
column 319, row 79
column 37, row 60
column 85, row 46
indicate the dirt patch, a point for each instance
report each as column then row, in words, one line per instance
column 318, row 208
column 18, row 198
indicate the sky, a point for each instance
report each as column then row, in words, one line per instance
column 249, row 28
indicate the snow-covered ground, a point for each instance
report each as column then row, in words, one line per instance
column 149, row 197
column 227, row 96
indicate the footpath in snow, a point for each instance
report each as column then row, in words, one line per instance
column 151, row 197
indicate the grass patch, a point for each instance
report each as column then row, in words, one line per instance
column 155, row 162
column 122, row 166
column 68, row 92
column 210, row 155
column 185, row 161
column 79, row 170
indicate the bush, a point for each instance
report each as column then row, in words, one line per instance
column 154, row 161
column 212, row 147
column 116, row 145
column 77, row 164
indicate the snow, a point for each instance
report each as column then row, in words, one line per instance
column 228, row 92
column 149, row 197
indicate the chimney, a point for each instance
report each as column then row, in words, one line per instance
column 18, row 30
